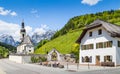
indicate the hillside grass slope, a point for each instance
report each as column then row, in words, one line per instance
column 62, row 43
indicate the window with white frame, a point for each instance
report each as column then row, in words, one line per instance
column 108, row 58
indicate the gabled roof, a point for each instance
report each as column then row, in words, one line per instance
column 54, row 50
column 27, row 40
column 112, row 29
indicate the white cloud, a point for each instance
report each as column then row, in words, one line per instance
column 14, row 29
column 90, row 2
column 28, row 29
column 4, row 12
column 10, row 28
column 13, row 13
column 41, row 30
column 7, row 12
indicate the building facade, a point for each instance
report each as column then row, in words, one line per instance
column 100, row 42
column 26, row 45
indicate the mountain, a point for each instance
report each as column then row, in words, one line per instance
column 4, row 38
column 37, row 37
column 64, row 39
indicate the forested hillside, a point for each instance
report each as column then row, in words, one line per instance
column 64, row 39
column 5, row 49
column 112, row 16
column 9, row 47
column 3, row 52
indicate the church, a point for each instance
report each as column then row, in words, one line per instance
column 26, row 46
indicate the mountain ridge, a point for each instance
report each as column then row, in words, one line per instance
column 36, row 38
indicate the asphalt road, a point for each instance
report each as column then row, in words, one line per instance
column 108, row 71
column 14, row 68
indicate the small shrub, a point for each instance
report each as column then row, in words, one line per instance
column 38, row 59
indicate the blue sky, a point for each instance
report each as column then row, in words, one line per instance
column 49, row 14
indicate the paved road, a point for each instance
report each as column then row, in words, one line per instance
column 15, row 68
column 108, row 71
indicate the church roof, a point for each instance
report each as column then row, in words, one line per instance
column 26, row 40
column 112, row 29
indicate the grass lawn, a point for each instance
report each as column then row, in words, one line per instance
column 62, row 43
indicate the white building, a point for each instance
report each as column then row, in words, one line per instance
column 100, row 42
column 26, row 45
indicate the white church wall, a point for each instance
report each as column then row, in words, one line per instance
column 20, row 59
column 30, row 49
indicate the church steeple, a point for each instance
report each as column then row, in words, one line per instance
column 22, row 31
column 22, row 24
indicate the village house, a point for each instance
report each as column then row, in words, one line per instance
column 100, row 42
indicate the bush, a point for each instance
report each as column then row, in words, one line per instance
column 38, row 59
column 43, row 59
column 34, row 60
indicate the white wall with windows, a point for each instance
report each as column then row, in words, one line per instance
column 24, row 48
column 98, row 42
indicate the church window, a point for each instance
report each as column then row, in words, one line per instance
column 29, row 50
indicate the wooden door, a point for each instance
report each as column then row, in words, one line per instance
column 98, row 60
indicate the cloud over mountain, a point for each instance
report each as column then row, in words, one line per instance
column 14, row 29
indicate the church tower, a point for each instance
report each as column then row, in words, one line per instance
column 26, row 46
column 22, row 31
